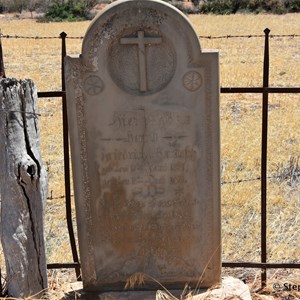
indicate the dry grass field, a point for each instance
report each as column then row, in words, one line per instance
column 241, row 65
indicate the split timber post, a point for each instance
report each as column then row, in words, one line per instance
column 23, row 188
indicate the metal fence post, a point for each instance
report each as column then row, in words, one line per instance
column 2, row 69
column 264, row 149
column 63, row 36
column 2, row 75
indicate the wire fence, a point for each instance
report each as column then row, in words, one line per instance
column 224, row 90
column 264, row 90
column 210, row 37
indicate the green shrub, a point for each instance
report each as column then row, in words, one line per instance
column 292, row 5
column 273, row 6
column 252, row 6
column 69, row 10
column 219, row 7
column 13, row 5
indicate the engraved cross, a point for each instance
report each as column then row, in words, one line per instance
column 141, row 41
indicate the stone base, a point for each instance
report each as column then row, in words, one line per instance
column 126, row 295
column 230, row 288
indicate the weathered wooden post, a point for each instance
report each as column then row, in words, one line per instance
column 23, row 189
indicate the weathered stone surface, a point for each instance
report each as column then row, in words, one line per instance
column 144, row 128
column 125, row 295
column 231, row 288
column 23, row 188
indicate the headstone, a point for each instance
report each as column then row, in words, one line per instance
column 143, row 108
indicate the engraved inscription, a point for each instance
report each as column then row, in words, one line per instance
column 161, row 119
column 147, row 164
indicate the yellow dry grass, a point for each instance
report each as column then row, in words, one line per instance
column 241, row 65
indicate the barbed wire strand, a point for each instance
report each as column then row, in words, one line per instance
column 200, row 36
column 248, row 36
column 222, row 183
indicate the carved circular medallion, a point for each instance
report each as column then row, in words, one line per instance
column 93, row 85
column 192, row 81
column 142, row 62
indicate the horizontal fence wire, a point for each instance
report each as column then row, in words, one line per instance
column 63, row 265
column 247, row 36
column 224, row 90
column 281, row 177
column 258, row 265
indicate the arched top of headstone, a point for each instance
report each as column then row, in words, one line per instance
column 141, row 23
